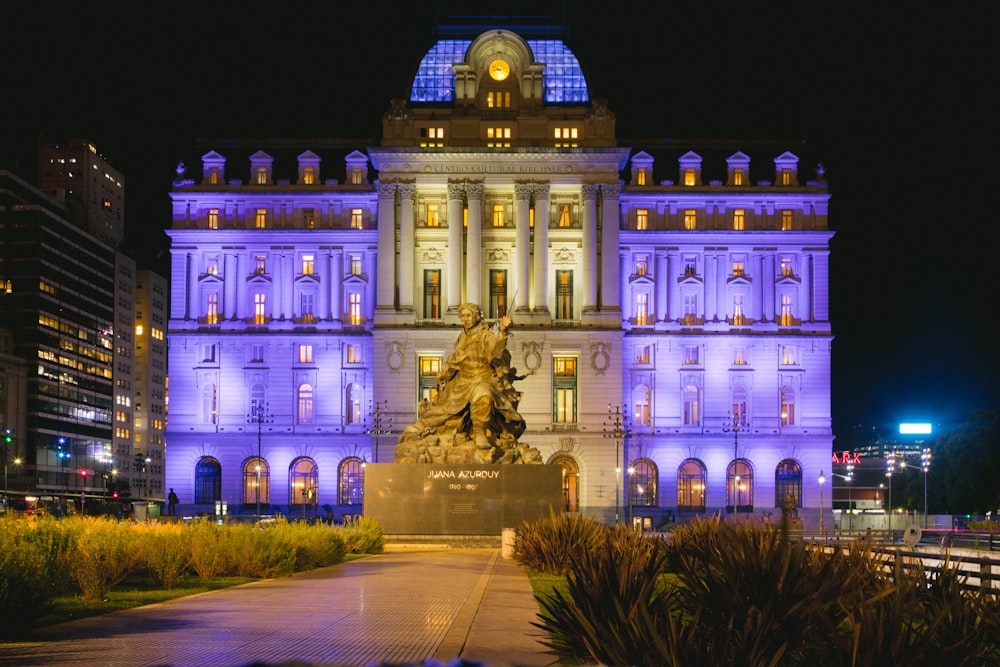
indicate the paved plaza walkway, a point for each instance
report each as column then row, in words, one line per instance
column 460, row 606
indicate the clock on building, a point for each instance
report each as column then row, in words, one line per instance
column 499, row 69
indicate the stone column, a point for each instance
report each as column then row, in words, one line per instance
column 590, row 268
column 194, row 298
column 660, row 285
column 540, row 297
column 241, row 284
column 325, row 263
column 474, row 252
column 806, row 310
column 288, row 273
column 674, row 306
column 610, row 259
column 757, row 274
column 386, row 245
column 229, row 285
column 522, row 246
column 454, row 268
column 336, row 284
column 407, row 199
column 769, row 286
column 820, row 283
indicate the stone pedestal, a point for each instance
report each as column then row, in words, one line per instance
column 439, row 499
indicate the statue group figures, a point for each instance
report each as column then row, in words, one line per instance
column 472, row 416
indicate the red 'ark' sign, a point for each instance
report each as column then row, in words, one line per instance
column 846, row 458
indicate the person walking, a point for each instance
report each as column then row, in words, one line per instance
column 171, row 502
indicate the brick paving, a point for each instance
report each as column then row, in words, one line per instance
column 461, row 606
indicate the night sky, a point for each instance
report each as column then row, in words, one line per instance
column 892, row 102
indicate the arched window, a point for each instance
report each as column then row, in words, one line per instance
column 256, row 482
column 692, row 408
column 352, row 404
column 304, row 414
column 570, row 482
column 642, row 484
column 641, row 414
column 691, row 486
column 788, row 482
column 257, row 396
column 351, row 489
column 787, row 406
column 209, row 405
column 303, row 482
column 739, row 486
column 207, row 480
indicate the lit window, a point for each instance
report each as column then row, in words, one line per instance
column 690, row 219
column 259, row 312
column 642, row 355
column 432, row 294
column 642, row 479
column 692, row 407
column 357, row 178
column 429, row 367
column 531, row 217
column 305, row 354
column 564, row 217
column 261, row 175
column 787, row 406
column 498, row 293
column 304, row 413
column 566, row 137
column 352, row 482
column 260, row 264
column 786, row 177
column 354, row 314
column 738, row 318
column 641, row 309
column 212, row 264
column 353, row 354
column 689, row 176
column 641, row 265
column 307, row 264
column 788, row 482
column 256, row 481
column 740, row 355
column 641, row 413
column 691, row 355
column 498, row 215
column 213, row 176
column 352, row 404
column 356, row 218
column 786, row 318
column 213, row 218
column 501, row 135
column 691, row 486
column 786, row 220
column 788, row 355
column 642, row 218
column 309, row 218
column 739, row 219
column 739, row 404
column 212, row 310
column 738, row 267
column 737, row 177
column 640, row 176
column 564, row 390
column 309, row 176
column 786, row 266
column 690, row 309
column 356, row 265
column 260, row 218
column 564, row 295
column 433, row 216
column 498, row 100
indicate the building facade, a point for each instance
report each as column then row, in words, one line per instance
column 673, row 332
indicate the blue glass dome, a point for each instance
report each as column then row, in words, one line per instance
column 435, row 79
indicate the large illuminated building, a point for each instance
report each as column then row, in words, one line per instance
column 670, row 302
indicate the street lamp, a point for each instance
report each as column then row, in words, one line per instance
column 890, row 464
column 381, row 423
column 616, row 427
column 737, row 424
column 850, row 503
column 925, row 464
column 631, row 472
column 259, row 415
column 821, row 480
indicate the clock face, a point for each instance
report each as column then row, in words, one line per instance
column 499, row 69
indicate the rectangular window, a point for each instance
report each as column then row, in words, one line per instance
column 737, row 177
column 261, row 175
column 642, row 355
column 564, row 216
column 309, row 176
column 432, row 294
column 640, row 176
column 307, row 264
column 355, row 265
column 786, row 318
column 739, row 266
column 738, row 319
column 305, row 354
column 357, row 218
column 641, row 309
column 306, row 308
column 641, row 265
column 353, row 354
column 788, row 355
column 739, row 219
column 531, row 217
column 689, row 176
column 260, row 218
column 786, row 221
column 564, row 390
column 564, row 295
column 260, row 264
column 212, row 310
column 786, row 177
column 566, row 137
column 786, row 266
column 690, row 219
column 740, row 355
column 498, row 215
column 213, row 218
column 691, row 355
column 354, row 314
column 433, row 215
column 690, row 308
column 309, row 218
column 259, row 312
column 357, row 178
column 212, row 264
column 257, row 353
column 642, row 218
column 428, row 369
column 213, row 176
column 498, row 293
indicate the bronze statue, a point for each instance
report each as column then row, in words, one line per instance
column 473, row 418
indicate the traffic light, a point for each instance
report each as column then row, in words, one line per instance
column 8, row 437
column 114, row 494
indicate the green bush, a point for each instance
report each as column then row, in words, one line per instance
column 546, row 545
column 260, row 551
column 315, row 545
column 30, row 576
column 363, row 536
column 103, row 554
column 210, row 553
column 166, row 552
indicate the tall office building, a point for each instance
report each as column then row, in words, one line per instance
column 670, row 300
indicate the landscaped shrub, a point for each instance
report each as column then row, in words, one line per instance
column 547, row 544
column 210, row 553
column 104, row 553
column 30, row 554
column 259, row 551
column 363, row 536
column 315, row 545
column 165, row 551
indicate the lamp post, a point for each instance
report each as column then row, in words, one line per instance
column 821, row 480
column 890, row 463
column 925, row 464
column 737, row 424
column 631, row 472
column 259, row 415
column 381, row 423
column 850, row 503
column 616, row 427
